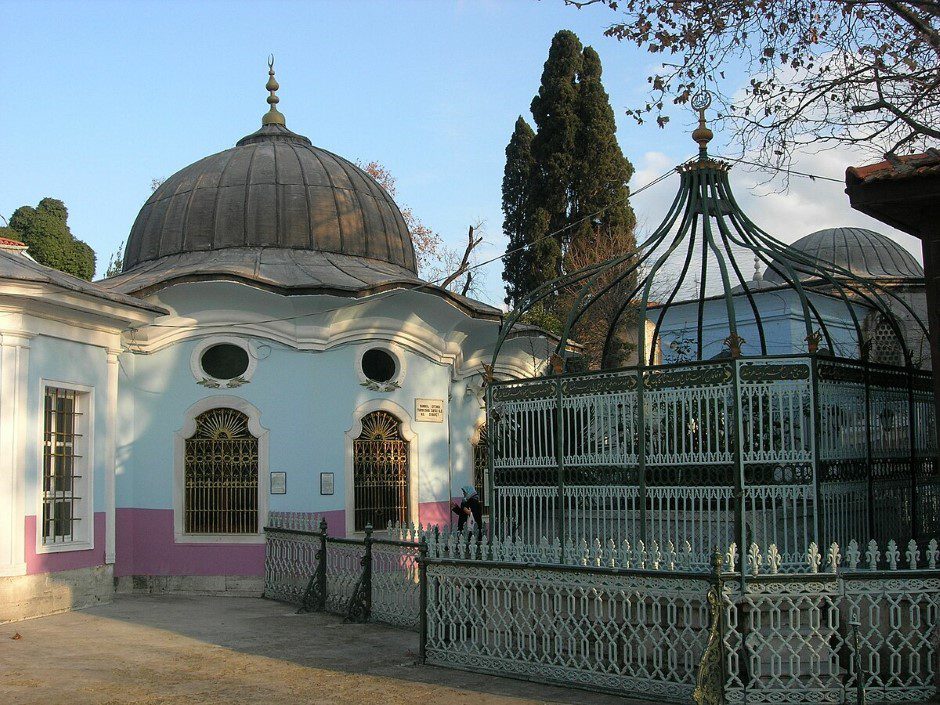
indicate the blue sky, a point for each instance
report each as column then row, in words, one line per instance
column 99, row 98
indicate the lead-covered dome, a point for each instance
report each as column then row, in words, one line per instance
column 273, row 189
column 273, row 211
column 864, row 253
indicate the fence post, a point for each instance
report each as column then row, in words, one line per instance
column 359, row 608
column 314, row 597
column 422, row 599
column 710, row 680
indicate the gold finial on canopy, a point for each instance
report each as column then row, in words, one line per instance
column 701, row 134
column 272, row 117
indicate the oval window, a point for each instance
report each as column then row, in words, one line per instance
column 378, row 365
column 224, row 361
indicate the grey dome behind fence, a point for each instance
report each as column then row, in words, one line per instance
column 862, row 252
column 274, row 189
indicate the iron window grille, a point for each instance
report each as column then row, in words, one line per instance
column 61, row 465
column 221, row 480
column 480, row 463
column 380, row 472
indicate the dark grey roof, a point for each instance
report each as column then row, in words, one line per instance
column 284, row 271
column 863, row 252
column 272, row 190
column 16, row 266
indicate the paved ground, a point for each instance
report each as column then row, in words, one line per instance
column 149, row 650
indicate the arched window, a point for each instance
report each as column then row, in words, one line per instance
column 480, row 461
column 221, row 475
column 380, row 472
column 884, row 346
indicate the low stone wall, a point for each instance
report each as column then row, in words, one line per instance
column 28, row 596
column 233, row 585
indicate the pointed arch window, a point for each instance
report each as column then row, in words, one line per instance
column 380, row 472
column 884, row 346
column 221, row 475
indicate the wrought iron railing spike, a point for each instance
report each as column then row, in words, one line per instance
column 913, row 554
column 754, row 559
column 833, row 557
column 853, row 555
column 813, row 559
column 892, row 554
column 933, row 554
column 774, row 559
column 731, row 557
column 872, row 555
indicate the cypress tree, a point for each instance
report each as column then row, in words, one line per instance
column 555, row 110
column 600, row 171
column 517, row 180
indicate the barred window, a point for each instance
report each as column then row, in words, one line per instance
column 63, row 466
column 480, row 461
column 221, row 475
column 380, row 472
column 883, row 341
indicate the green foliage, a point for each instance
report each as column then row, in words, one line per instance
column 555, row 110
column 116, row 263
column 517, row 178
column 45, row 231
column 600, row 173
column 565, row 194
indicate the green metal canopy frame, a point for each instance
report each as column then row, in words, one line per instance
column 703, row 222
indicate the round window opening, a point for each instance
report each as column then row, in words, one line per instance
column 378, row 365
column 225, row 361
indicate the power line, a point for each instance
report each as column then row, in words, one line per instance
column 782, row 170
column 392, row 292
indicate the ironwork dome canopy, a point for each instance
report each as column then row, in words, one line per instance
column 695, row 260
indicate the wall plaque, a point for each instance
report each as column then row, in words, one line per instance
column 278, row 483
column 326, row 483
column 429, row 410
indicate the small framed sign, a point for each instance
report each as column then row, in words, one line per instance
column 278, row 483
column 429, row 410
column 326, row 483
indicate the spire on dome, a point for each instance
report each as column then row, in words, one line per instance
column 701, row 134
column 272, row 117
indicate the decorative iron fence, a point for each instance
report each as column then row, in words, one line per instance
column 785, row 450
column 635, row 619
column 368, row 578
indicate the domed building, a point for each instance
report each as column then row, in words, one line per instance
column 865, row 254
column 268, row 346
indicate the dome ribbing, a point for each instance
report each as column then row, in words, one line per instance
column 274, row 189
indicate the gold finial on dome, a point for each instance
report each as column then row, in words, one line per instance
column 702, row 135
column 272, row 117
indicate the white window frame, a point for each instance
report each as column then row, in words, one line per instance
column 201, row 376
column 179, row 474
column 84, row 536
column 398, row 355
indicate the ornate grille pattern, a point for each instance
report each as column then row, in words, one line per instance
column 343, row 570
column 221, row 486
column 380, row 474
column 290, row 559
column 792, row 641
column 61, row 474
column 784, row 450
column 395, row 587
column 626, row 633
column 481, row 460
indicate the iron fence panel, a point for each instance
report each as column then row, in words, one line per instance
column 635, row 634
